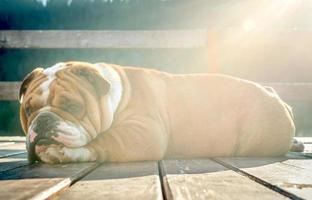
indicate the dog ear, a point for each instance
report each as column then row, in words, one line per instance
column 27, row 80
column 100, row 84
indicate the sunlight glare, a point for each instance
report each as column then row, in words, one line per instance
column 249, row 25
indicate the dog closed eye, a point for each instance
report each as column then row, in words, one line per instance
column 31, row 106
column 74, row 108
column 28, row 110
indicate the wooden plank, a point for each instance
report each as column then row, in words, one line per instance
column 9, row 90
column 270, row 37
column 137, row 180
column 293, row 91
column 12, row 153
column 206, row 179
column 302, row 163
column 12, row 138
column 103, row 39
column 288, row 91
column 3, row 144
column 305, row 140
column 307, row 150
column 293, row 177
column 13, row 162
column 40, row 181
column 149, row 38
column 12, row 149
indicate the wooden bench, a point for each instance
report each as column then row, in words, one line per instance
column 129, row 40
column 211, row 178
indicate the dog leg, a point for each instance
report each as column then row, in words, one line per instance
column 133, row 141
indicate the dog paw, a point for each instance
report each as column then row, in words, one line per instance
column 54, row 154
column 51, row 154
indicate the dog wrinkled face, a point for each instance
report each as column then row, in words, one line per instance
column 64, row 105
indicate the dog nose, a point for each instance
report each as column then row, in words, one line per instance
column 41, row 132
column 44, row 123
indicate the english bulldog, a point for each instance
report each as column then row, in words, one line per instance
column 80, row 112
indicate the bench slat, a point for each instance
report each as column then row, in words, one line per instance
column 10, row 149
column 9, row 90
column 103, row 39
column 18, row 180
column 40, row 181
column 293, row 91
column 21, row 139
column 291, row 175
column 287, row 91
column 138, row 180
column 13, row 162
column 12, row 153
column 206, row 179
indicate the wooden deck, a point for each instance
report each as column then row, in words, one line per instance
column 215, row 178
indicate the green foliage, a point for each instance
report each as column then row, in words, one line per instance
column 9, row 118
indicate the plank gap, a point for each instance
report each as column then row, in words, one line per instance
column 64, row 184
column 258, row 180
column 163, row 183
column 12, row 154
column 297, row 156
column 13, row 162
column 131, row 180
column 84, row 173
column 18, row 166
column 207, row 179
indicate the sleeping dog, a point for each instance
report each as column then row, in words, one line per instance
column 79, row 112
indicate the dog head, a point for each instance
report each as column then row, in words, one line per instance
column 66, row 104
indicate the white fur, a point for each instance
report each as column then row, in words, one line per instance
column 50, row 73
column 78, row 154
column 68, row 133
column 64, row 154
column 114, row 79
column 71, row 135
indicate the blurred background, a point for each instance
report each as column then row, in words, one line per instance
column 264, row 41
